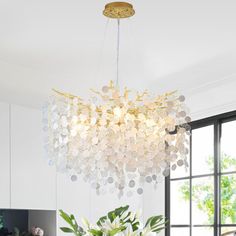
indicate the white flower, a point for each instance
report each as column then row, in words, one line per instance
column 107, row 225
column 138, row 214
column 132, row 216
column 85, row 223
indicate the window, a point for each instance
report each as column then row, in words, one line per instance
column 201, row 201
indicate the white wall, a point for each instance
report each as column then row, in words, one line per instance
column 33, row 182
column 5, row 176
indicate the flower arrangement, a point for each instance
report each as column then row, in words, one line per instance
column 119, row 222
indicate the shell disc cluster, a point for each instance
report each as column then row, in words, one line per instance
column 117, row 141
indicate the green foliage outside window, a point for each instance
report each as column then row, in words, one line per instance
column 203, row 194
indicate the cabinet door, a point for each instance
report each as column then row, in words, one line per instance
column 33, row 181
column 4, row 156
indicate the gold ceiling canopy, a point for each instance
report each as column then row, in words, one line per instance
column 117, row 10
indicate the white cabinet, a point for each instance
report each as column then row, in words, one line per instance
column 4, row 156
column 33, row 182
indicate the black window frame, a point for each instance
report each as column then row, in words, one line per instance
column 217, row 122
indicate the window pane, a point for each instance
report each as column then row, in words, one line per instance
column 181, row 171
column 203, row 201
column 202, row 231
column 203, row 150
column 228, row 231
column 228, row 147
column 228, row 199
column 179, row 232
column 179, row 202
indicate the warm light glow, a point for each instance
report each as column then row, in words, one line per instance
column 117, row 141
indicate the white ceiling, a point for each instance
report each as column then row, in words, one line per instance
column 69, row 45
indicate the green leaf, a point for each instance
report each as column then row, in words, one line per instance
column 66, row 230
column 117, row 212
column 111, row 216
column 158, row 230
column 135, row 226
column 101, row 220
column 74, row 223
column 121, row 210
column 117, row 230
column 66, row 217
column 156, row 223
column 75, row 228
column 155, row 220
column 95, row 232
column 148, row 221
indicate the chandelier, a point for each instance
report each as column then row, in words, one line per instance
column 118, row 139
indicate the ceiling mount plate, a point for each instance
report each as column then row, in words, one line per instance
column 117, row 10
